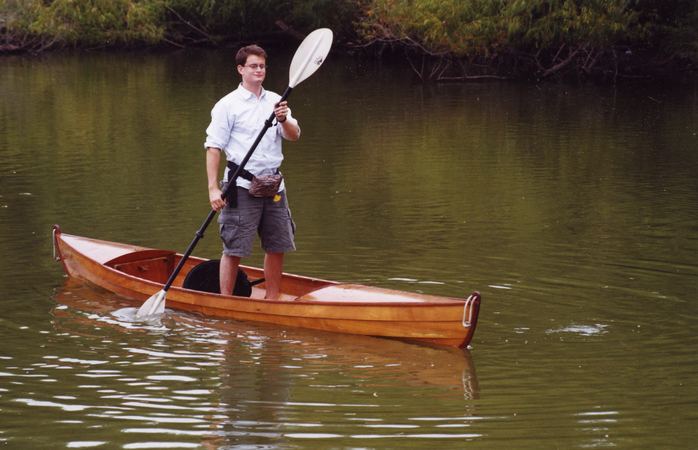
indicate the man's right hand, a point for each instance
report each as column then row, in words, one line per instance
column 215, row 198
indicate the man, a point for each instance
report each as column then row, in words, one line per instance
column 236, row 120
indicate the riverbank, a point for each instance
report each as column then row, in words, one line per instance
column 440, row 40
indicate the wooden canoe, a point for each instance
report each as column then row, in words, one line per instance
column 136, row 273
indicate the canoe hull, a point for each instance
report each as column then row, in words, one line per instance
column 136, row 273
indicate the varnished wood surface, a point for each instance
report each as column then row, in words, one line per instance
column 136, row 273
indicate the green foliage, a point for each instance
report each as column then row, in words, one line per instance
column 537, row 37
column 242, row 20
column 90, row 22
column 136, row 22
column 218, row 20
column 595, row 23
column 337, row 15
column 484, row 27
column 443, row 39
column 16, row 16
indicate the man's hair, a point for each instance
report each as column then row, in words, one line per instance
column 244, row 52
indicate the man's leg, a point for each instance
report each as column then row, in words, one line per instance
column 273, row 267
column 228, row 273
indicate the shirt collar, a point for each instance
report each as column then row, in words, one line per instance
column 247, row 95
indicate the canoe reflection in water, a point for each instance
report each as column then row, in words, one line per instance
column 254, row 382
column 86, row 310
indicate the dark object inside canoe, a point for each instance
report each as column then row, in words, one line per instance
column 206, row 277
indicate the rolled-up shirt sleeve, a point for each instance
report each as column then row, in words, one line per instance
column 218, row 131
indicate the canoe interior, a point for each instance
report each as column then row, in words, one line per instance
column 153, row 265
column 157, row 265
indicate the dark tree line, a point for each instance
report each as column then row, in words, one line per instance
column 441, row 40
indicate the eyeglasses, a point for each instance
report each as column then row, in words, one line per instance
column 256, row 66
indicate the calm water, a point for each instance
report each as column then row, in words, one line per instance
column 574, row 211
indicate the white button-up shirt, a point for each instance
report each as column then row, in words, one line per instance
column 236, row 120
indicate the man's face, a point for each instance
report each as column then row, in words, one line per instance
column 254, row 70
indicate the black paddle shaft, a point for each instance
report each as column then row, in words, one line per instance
column 231, row 184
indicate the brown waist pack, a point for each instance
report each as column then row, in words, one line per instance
column 266, row 186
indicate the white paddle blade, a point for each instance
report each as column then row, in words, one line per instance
column 310, row 55
column 152, row 307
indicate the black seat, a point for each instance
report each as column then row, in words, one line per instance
column 205, row 277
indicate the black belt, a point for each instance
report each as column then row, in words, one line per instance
column 243, row 173
column 231, row 194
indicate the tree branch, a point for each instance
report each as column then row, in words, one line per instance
column 561, row 65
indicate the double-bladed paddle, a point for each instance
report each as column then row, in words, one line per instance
column 307, row 59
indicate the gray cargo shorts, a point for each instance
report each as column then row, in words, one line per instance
column 270, row 219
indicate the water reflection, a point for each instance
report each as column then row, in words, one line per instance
column 571, row 208
column 195, row 380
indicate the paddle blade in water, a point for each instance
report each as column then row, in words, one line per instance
column 152, row 307
column 310, row 55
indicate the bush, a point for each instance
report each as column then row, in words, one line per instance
column 535, row 38
column 86, row 22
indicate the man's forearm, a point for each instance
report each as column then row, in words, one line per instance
column 291, row 130
column 213, row 160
